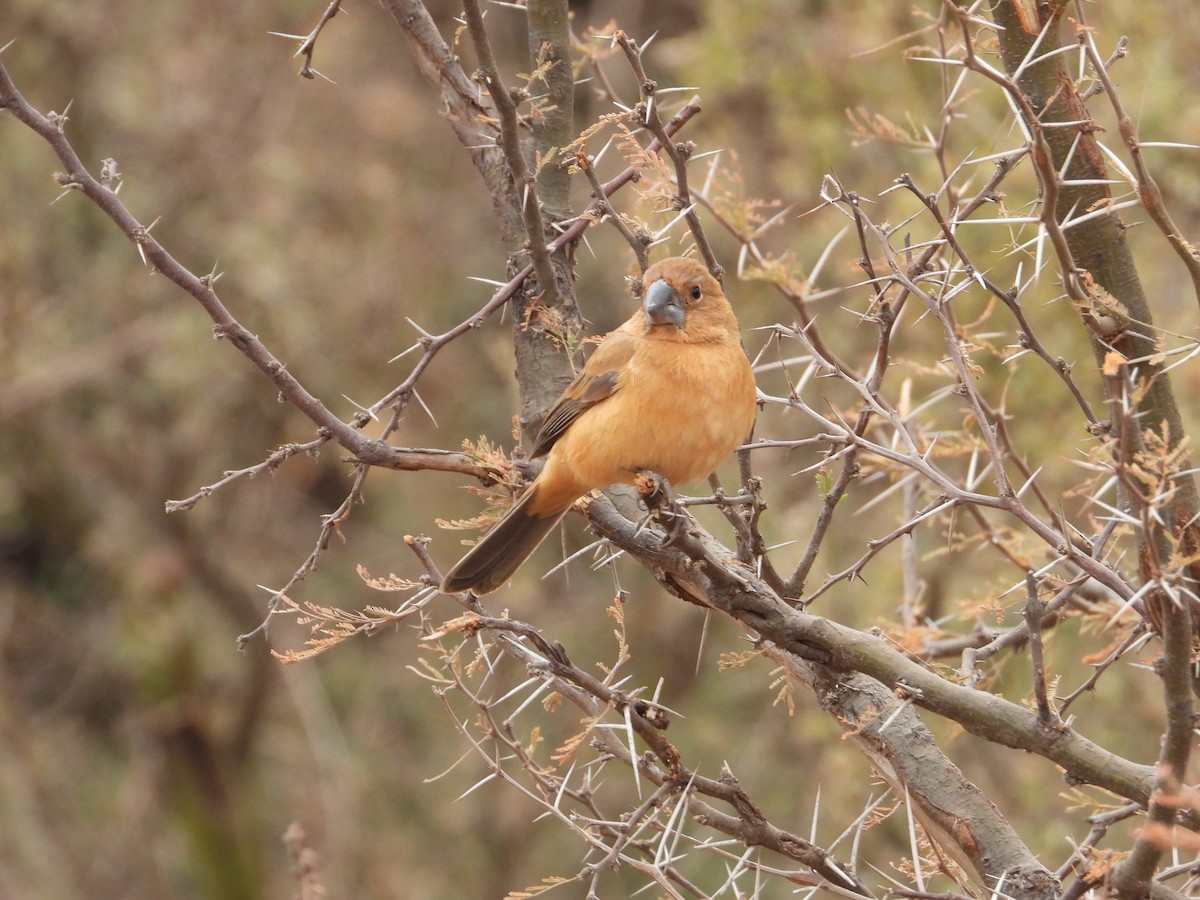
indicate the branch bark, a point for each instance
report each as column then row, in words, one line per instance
column 699, row 569
column 955, row 814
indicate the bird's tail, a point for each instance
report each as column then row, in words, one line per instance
column 492, row 561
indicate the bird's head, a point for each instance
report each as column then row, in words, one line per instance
column 680, row 295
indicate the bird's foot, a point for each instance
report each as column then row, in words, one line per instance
column 656, row 492
column 528, row 469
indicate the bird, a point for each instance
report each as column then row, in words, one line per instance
column 671, row 392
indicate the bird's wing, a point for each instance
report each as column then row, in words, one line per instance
column 598, row 381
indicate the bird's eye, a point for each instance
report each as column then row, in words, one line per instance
column 696, row 292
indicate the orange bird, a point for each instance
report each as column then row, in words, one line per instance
column 670, row 391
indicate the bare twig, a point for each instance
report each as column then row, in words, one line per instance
column 510, row 141
column 308, row 44
column 650, row 118
column 1035, row 609
column 638, row 242
column 1148, row 190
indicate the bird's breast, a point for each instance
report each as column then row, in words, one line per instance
column 680, row 410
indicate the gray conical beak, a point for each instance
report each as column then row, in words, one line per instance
column 662, row 305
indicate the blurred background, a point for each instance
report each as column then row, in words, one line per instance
column 140, row 754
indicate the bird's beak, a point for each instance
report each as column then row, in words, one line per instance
column 662, row 305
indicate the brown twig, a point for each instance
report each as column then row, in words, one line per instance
column 748, row 822
column 308, row 44
column 510, row 141
column 1025, row 333
column 1070, row 546
column 1035, row 610
column 699, row 567
column 638, row 242
column 1135, row 636
column 270, row 464
column 1148, row 190
column 678, row 153
column 885, row 318
column 51, row 128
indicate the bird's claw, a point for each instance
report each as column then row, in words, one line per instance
column 679, row 526
column 528, row 469
column 660, row 501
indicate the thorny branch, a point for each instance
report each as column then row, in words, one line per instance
column 308, row 43
column 1148, row 190
column 648, row 112
column 677, row 787
column 525, row 183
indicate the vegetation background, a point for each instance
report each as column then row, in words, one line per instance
column 141, row 755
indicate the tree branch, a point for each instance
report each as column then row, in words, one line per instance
column 524, row 183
